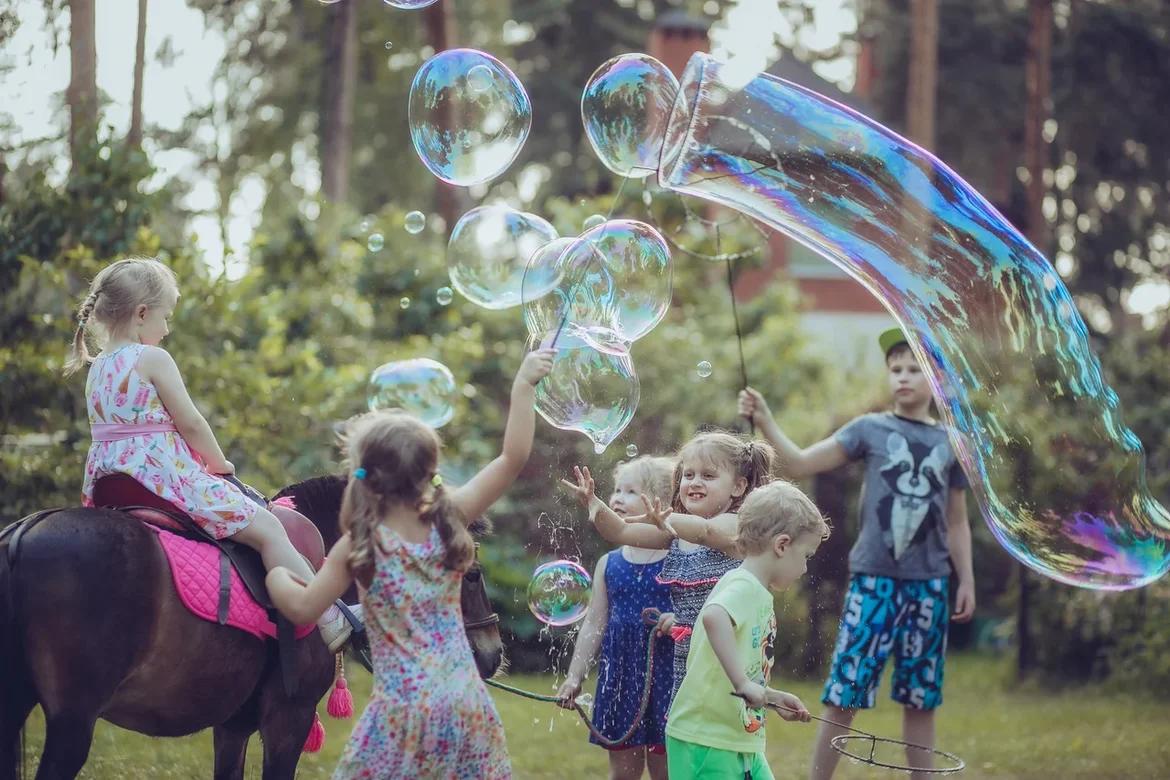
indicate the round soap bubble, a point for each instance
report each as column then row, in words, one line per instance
column 589, row 390
column 414, row 222
column 375, row 242
column 1059, row 478
column 469, row 116
column 488, row 253
column 631, row 450
column 410, row 4
column 404, row 302
column 703, row 369
column 559, row 593
column 422, row 387
column 592, row 222
column 625, row 107
column 614, row 279
column 444, row 296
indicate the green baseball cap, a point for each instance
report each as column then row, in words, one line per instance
column 890, row 339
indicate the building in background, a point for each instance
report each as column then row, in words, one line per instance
column 839, row 317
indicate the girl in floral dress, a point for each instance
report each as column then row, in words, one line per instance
column 145, row 425
column 405, row 541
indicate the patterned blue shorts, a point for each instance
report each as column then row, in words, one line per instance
column 881, row 614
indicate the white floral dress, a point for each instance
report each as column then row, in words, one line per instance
column 116, row 393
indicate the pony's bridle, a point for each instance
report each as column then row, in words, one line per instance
column 474, row 574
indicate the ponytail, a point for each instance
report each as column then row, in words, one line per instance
column 79, row 356
column 458, row 546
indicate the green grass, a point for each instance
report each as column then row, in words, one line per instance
column 1000, row 729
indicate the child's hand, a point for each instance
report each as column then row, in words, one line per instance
column 665, row 624
column 583, row 489
column 753, row 693
column 753, row 406
column 658, row 515
column 568, row 693
column 536, row 366
column 788, row 706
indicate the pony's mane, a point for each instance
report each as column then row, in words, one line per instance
column 319, row 499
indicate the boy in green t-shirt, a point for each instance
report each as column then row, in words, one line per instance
column 710, row 734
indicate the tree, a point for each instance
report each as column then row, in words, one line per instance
column 922, row 79
column 81, row 94
column 134, row 137
column 337, row 95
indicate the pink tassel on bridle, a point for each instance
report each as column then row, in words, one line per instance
column 340, row 700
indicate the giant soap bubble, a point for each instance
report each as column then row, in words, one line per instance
column 625, row 106
column 1059, row 478
column 488, row 252
column 615, row 278
column 469, row 116
column 421, row 386
column 559, row 593
column 410, row 4
column 589, row 390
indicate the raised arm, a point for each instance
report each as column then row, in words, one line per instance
column 486, row 487
column 158, row 367
column 794, row 462
column 612, row 527
column 589, row 638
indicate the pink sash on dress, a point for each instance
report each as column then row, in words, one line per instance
column 119, row 431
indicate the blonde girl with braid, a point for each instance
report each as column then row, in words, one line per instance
column 145, row 425
column 405, row 541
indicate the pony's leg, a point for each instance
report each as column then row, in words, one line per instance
column 68, row 736
column 231, row 746
column 285, row 721
column 284, row 734
column 14, row 711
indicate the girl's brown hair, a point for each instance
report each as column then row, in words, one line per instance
column 746, row 458
column 653, row 474
column 398, row 457
column 114, row 294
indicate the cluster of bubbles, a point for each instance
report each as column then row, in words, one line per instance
column 559, row 592
column 469, row 116
column 1058, row 476
column 421, row 386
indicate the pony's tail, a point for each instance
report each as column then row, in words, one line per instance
column 14, row 671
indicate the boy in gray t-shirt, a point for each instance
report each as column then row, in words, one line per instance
column 913, row 528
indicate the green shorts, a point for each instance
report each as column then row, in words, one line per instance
column 688, row 761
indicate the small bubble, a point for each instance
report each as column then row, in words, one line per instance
column 592, row 222
column 479, row 78
column 389, row 45
column 444, row 296
column 631, row 450
column 599, row 448
column 404, row 302
column 375, row 242
column 415, row 222
column 704, row 368
column 647, row 198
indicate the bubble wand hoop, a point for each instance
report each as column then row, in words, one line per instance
column 841, row 741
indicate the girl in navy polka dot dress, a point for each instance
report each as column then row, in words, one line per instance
column 624, row 583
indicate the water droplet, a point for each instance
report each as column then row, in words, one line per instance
column 704, row 368
column 404, row 302
column 631, row 450
column 444, row 296
column 375, row 242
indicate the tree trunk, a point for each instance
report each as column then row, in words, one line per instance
column 1038, row 83
column 3, row 170
column 81, row 94
column 922, row 84
column 337, row 100
column 440, row 24
column 134, row 138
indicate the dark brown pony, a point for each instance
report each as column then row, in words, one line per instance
column 91, row 627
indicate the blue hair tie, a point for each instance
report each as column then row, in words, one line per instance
column 359, row 473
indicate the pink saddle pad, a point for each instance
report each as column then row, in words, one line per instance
column 195, row 571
